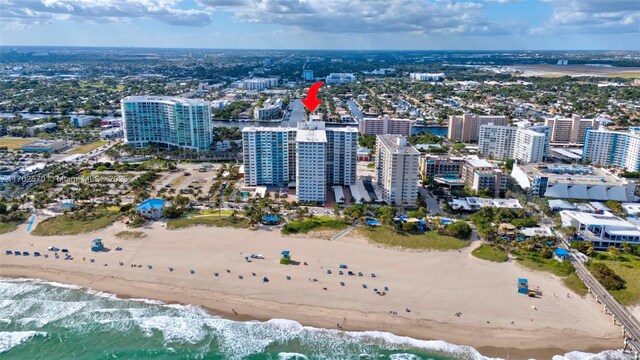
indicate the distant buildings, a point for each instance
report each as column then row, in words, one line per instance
column 397, row 163
column 307, row 75
column 427, row 76
column 340, row 78
column 573, row 182
column 612, row 148
column 111, row 133
column 466, row 128
column 172, row 122
column 385, row 125
column 258, row 84
column 525, row 143
column 36, row 129
column 475, row 203
column 569, row 130
column 440, row 166
column 45, row 146
column 82, row 120
column 481, row 175
column 309, row 157
column 270, row 109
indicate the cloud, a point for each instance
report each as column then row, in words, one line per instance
column 24, row 13
column 364, row 16
column 593, row 16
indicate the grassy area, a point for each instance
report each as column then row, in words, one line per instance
column 14, row 143
column 491, row 253
column 371, row 166
column 317, row 223
column 131, row 235
column 83, row 149
column 628, row 268
column 7, row 227
column 574, row 284
column 225, row 221
column 71, row 225
column 213, row 212
column 536, row 262
column 428, row 241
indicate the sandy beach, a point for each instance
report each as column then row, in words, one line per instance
column 435, row 286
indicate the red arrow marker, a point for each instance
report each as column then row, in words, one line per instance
column 312, row 101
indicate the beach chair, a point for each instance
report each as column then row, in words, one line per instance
column 65, row 250
column 150, row 267
column 340, row 272
column 329, row 272
column 8, row 252
column 265, row 279
column 343, row 266
column 350, row 272
column 215, row 274
column 121, row 263
column 375, row 290
column 314, row 280
column 341, row 283
column 192, row 272
column 37, row 254
column 170, row 268
column 25, row 253
column 288, row 277
column 118, row 248
column 17, row 253
column 386, row 288
column 92, row 260
column 240, row 277
column 364, row 286
column 373, row 275
column 359, row 273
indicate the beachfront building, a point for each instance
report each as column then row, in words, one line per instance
column 397, row 164
column 311, row 164
column 481, row 175
column 604, row 230
column 309, row 157
column 383, row 125
column 151, row 208
column 258, row 84
column 524, row 142
column 269, row 156
column 466, row 128
column 573, row 182
column 612, row 148
column 171, row 122
column 270, row 109
column 433, row 77
column 569, row 130
column 440, row 166
column 340, row 78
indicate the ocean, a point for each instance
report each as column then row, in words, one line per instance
column 45, row 320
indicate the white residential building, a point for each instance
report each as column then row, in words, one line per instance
column 168, row 121
column 340, row 78
column 270, row 109
column 311, row 143
column 397, row 162
column 258, row 84
column 612, row 148
column 427, row 76
column 603, row 230
column 524, row 142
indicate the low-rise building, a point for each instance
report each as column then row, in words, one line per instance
column 476, row 203
column 604, row 230
column 45, row 146
column 573, row 182
column 82, row 120
column 340, row 78
column 433, row 77
column 151, row 208
column 36, row 129
column 270, row 109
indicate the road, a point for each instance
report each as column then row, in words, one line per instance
column 622, row 315
column 432, row 203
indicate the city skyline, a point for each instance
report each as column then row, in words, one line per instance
column 335, row 24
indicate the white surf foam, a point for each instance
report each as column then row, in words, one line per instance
column 291, row 356
column 605, row 355
column 11, row 339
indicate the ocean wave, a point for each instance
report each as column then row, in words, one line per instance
column 33, row 305
column 11, row 339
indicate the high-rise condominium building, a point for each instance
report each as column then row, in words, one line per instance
column 397, row 162
column 309, row 156
column 466, row 128
column 524, row 142
column 167, row 121
column 258, row 84
column 383, row 125
column 612, row 148
column 307, row 75
column 427, row 76
column 569, row 130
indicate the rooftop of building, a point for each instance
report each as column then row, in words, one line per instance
column 577, row 174
column 311, row 136
column 599, row 219
column 149, row 204
column 165, row 99
column 480, row 163
column 397, row 144
column 635, row 134
column 266, row 129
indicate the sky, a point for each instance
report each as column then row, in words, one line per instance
column 325, row 24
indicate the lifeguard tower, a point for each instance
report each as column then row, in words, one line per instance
column 97, row 245
column 523, row 286
column 286, row 257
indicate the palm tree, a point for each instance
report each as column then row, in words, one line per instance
column 613, row 251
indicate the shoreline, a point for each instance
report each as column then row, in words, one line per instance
column 222, row 305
